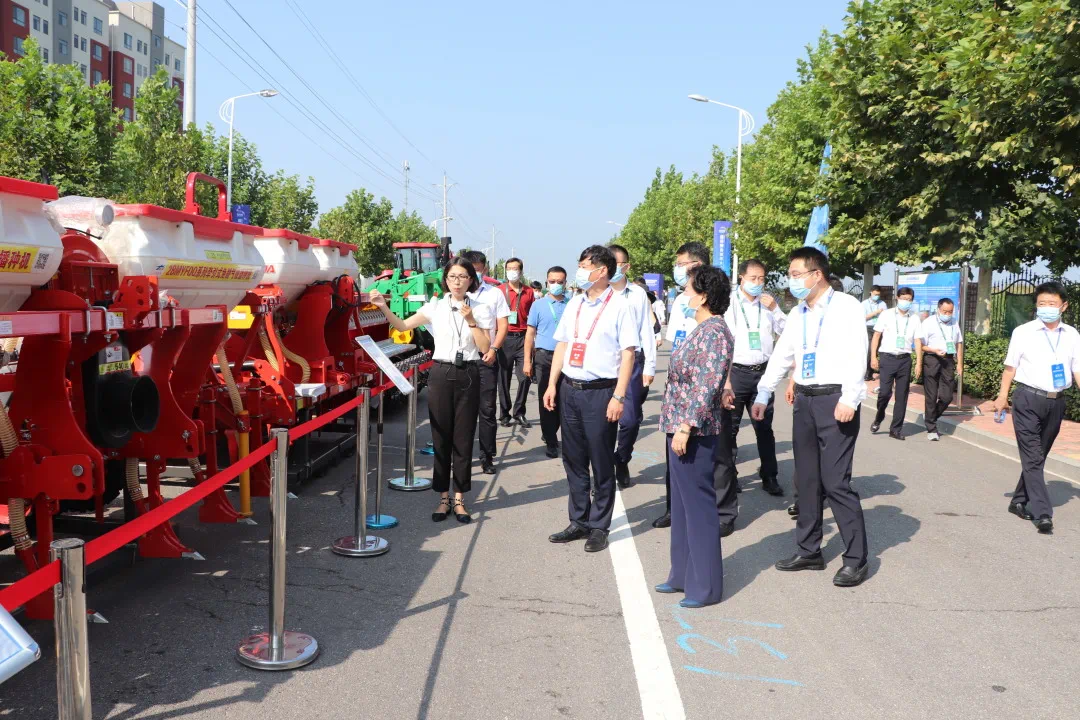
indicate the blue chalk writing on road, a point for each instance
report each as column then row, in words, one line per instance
column 730, row 647
column 753, row 623
column 734, row 676
column 647, row 456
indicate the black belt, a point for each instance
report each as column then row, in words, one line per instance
column 639, row 354
column 515, row 332
column 1054, row 395
column 590, row 384
column 815, row 390
column 540, row 350
column 451, row 364
column 752, row 368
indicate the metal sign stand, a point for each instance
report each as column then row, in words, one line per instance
column 360, row 544
column 378, row 521
column 410, row 483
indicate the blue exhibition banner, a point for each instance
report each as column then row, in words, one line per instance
column 241, row 214
column 819, row 217
column 930, row 287
column 655, row 282
column 721, row 245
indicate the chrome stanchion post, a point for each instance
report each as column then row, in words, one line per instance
column 360, row 544
column 411, row 483
column 279, row 649
column 378, row 521
column 72, row 646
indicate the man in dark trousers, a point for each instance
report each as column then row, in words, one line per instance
column 540, row 345
column 825, row 342
column 594, row 359
column 490, row 310
column 519, row 298
column 943, row 352
column 1044, row 360
column 897, row 333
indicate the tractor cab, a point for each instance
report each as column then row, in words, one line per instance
column 416, row 257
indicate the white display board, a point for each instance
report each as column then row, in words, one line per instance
column 385, row 364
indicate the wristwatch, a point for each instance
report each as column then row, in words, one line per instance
column 620, row 398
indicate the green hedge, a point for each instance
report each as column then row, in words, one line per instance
column 984, row 359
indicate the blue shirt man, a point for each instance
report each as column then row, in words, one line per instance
column 544, row 316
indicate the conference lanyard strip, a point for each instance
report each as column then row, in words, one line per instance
column 821, row 322
column 1053, row 347
column 596, row 319
column 746, row 319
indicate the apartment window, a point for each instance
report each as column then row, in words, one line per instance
column 97, row 52
column 145, row 48
column 127, row 65
column 19, row 16
column 82, row 69
column 127, row 114
column 177, row 64
column 37, row 23
column 82, row 17
column 45, row 26
column 62, row 47
column 45, row 54
column 167, row 61
column 61, row 18
column 82, row 43
column 98, row 26
column 127, row 89
column 45, row 3
column 127, row 39
column 97, row 77
column 157, row 41
column 75, row 13
column 18, row 45
column 75, row 41
column 138, row 46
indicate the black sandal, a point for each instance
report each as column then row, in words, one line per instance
column 440, row 516
column 462, row 517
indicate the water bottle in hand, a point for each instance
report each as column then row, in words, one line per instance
column 999, row 417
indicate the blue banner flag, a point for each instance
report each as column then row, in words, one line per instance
column 655, row 282
column 721, row 245
column 819, row 218
column 241, row 214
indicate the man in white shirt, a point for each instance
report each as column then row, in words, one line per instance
column 1044, row 360
column 597, row 339
column 872, row 309
column 824, row 342
column 644, row 364
column 897, row 333
column 490, row 310
column 942, row 352
column 681, row 323
column 755, row 320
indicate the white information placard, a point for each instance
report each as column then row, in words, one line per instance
column 385, row 364
column 17, row 649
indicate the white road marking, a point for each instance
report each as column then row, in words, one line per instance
column 660, row 698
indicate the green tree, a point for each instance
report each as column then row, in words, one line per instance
column 411, row 228
column 283, row 202
column 363, row 222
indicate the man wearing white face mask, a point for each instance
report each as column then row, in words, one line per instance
column 943, row 352
column 1044, row 359
column 519, row 298
column 540, row 345
column 896, row 333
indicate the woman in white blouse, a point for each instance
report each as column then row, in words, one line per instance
column 454, row 383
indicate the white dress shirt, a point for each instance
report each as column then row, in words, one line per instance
column 870, row 306
column 658, row 308
column 488, row 306
column 893, row 324
column 1034, row 349
column 677, row 322
column 745, row 316
column 938, row 335
column 616, row 330
column 638, row 300
column 449, row 329
column 840, row 353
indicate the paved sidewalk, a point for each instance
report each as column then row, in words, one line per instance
column 981, row 430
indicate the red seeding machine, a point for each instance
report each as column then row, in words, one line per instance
column 137, row 339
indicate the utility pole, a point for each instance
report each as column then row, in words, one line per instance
column 189, row 67
column 405, row 169
column 492, row 243
column 445, row 212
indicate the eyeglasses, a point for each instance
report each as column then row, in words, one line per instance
column 459, row 278
column 688, row 264
column 797, row 275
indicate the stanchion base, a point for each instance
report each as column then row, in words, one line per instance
column 418, row 484
column 428, row 449
column 372, row 546
column 299, row 649
column 381, row 522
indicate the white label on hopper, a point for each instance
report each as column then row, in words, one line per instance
column 5, row 327
column 114, row 321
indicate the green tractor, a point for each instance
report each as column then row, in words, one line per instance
column 415, row 278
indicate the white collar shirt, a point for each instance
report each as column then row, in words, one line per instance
column 659, row 309
column 745, row 316
column 870, row 306
column 677, row 322
column 893, row 325
column 450, row 331
column 938, row 335
column 638, row 300
column 488, row 306
column 615, row 331
column 1034, row 349
column 840, row 350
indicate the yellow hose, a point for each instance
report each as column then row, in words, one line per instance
column 134, row 483
column 195, row 465
column 9, row 440
column 10, row 344
column 230, row 382
column 271, row 357
column 242, row 437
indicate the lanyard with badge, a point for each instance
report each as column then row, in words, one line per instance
column 901, row 340
column 680, row 334
column 809, row 359
column 551, row 307
column 754, row 336
column 577, row 349
column 513, row 310
column 950, row 345
column 1057, row 370
column 459, row 344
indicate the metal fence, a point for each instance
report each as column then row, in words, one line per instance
column 1012, row 300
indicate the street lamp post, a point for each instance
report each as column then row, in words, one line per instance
column 619, row 225
column 226, row 112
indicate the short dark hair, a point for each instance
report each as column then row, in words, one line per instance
column 556, row 269
column 615, row 247
column 945, row 301
column 462, row 262
column 599, row 255
column 695, row 250
column 535, row 285
column 752, row 262
column 513, row 260
column 474, row 256
column 712, row 283
column 813, row 258
column 875, row 287
column 905, row 291
column 836, row 283
column 1051, row 287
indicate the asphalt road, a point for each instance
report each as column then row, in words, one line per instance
column 968, row 612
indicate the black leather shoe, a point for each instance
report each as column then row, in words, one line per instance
column 597, row 541
column 440, row 516
column 486, row 466
column 848, row 576
column 506, row 421
column 663, row 521
column 738, row 486
column 1045, row 524
column 875, row 427
column 1020, row 510
column 896, row 436
column 523, row 421
column 798, row 562
column 570, row 534
column 771, row 486
column 793, row 510
column 552, row 451
column 622, row 475
column 726, row 529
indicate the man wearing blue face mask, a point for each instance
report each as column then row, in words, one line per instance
column 896, row 334
column 544, row 316
column 872, row 308
column 943, row 352
column 1044, row 360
